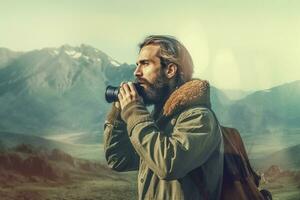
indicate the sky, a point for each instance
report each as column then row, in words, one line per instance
column 235, row 44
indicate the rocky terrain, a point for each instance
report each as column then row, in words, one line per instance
column 29, row 173
column 283, row 184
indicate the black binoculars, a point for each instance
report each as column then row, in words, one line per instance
column 111, row 92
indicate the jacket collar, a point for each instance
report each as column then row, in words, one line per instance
column 191, row 93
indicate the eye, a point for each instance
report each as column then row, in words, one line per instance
column 143, row 63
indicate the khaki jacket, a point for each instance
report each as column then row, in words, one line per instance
column 165, row 146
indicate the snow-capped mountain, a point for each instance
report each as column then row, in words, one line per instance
column 56, row 90
column 61, row 90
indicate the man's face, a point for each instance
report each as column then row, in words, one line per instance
column 151, row 76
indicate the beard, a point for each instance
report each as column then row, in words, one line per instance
column 157, row 92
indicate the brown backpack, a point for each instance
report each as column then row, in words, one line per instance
column 240, row 181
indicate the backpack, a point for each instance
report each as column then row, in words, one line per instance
column 240, row 181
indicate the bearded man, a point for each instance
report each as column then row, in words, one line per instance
column 179, row 137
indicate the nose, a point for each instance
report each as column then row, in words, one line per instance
column 137, row 72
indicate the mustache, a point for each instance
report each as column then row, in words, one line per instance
column 143, row 81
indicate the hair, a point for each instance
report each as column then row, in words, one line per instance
column 172, row 51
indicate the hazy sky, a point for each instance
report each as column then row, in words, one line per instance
column 235, row 44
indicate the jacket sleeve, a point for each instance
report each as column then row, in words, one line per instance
column 172, row 156
column 119, row 152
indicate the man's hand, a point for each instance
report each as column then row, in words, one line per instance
column 128, row 94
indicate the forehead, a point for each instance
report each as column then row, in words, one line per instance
column 149, row 52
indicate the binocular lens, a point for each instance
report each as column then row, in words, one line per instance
column 111, row 92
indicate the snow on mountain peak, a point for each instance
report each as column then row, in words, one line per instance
column 268, row 90
column 86, row 57
column 85, row 52
column 53, row 52
column 77, row 55
column 73, row 53
column 70, row 52
column 114, row 62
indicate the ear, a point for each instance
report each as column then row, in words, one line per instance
column 171, row 70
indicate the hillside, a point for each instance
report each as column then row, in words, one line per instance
column 86, row 151
column 287, row 158
column 27, row 172
column 7, row 56
column 267, row 110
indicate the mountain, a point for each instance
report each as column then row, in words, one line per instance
column 61, row 90
column 40, row 161
column 263, row 111
column 220, row 103
column 7, row 56
column 236, row 94
column 85, row 151
column 287, row 158
column 58, row 90
column 53, row 91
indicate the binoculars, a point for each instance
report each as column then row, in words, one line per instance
column 111, row 92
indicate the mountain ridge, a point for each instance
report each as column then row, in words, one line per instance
column 43, row 92
column 61, row 90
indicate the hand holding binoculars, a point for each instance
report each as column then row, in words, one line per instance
column 111, row 92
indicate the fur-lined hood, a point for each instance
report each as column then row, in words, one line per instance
column 194, row 92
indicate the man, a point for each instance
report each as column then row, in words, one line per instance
column 177, row 148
